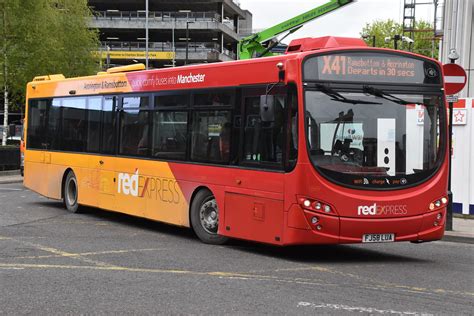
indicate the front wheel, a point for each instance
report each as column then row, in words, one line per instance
column 205, row 218
column 71, row 192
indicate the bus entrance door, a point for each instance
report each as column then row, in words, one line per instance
column 107, row 183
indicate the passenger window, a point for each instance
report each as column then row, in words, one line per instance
column 134, row 126
column 264, row 130
column 94, row 107
column 211, row 133
column 180, row 100
column 135, row 102
column 37, row 136
column 74, row 124
column 108, row 125
column 214, row 98
column 170, row 134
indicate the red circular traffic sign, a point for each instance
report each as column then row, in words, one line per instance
column 454, row 78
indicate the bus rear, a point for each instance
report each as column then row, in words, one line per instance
column 373, row 152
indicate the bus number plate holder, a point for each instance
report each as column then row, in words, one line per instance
column 378, row 238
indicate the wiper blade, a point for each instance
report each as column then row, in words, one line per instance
column 384, row 95
column 336, row 96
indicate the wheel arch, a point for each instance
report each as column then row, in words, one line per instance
column 63, row 181
column 193, row 195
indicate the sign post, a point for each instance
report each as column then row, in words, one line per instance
column 454, row 81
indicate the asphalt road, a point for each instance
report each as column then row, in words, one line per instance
column 52, row 262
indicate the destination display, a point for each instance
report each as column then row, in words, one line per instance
column 371, row 67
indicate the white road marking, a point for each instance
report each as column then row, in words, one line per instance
column 359, row 309
column 10, row 189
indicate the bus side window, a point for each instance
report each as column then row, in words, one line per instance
column 73, row 124
column 134, row 126
column 169, row 134
column 38, row 136
column 264, row 136
column 94, row 105
column 210, row 138
column 109, row 125
column 292, row 131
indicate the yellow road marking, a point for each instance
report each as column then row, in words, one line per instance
column 83, row 254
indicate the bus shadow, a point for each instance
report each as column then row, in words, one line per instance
column 299, row 254
column 327, row 253
column 137, row 222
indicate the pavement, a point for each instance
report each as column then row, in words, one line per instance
column 463, row 228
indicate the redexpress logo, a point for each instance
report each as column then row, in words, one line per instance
column 128, row 183
column 374, row 209
column 367, row 210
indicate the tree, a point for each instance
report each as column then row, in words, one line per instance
column 41, row 37
column 423, row 41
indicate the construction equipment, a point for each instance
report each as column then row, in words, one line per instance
column 260, row 44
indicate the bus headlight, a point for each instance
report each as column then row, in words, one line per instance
column 316, row 206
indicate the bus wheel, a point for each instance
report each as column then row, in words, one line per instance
column 205, row 218
column 70, row 193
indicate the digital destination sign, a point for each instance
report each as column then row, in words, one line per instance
column 371, row 67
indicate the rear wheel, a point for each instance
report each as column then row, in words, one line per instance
column 71, row 192
column 205, row 218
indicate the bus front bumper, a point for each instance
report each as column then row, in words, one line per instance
column 301, row 228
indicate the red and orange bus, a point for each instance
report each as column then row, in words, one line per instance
column 332, row 142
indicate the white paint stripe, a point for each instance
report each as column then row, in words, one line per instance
column 454, row 79
column 359, row 309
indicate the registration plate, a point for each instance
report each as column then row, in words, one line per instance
column 378, row 238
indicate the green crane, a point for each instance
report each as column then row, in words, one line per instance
column 260, row 44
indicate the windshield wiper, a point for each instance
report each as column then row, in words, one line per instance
column 336, row 96
column 384, row 95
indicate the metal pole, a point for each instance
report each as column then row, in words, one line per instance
column 172, row 40
column 187, row 42
column 449, row 209
column 5, row 84
column 107, row 61
column 373, row 40
column 146, row 34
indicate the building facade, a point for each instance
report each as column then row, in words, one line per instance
column 458, row 33
column 179, row 32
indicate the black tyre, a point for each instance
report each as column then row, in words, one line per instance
column 205, row 218
column 70, row 193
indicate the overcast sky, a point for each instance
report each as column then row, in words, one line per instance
column 347, row 21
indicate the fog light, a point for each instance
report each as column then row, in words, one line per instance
column 435, row 223
column 307, row 203
column 327, row 208
column 439, row 216
column 314, row 220
column 319, row 227
column 437, row 203
column 432, row 206
column 444, row 200
column 317, row 205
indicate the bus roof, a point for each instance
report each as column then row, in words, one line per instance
column 134, row 78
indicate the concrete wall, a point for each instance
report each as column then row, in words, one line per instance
column 459, row 34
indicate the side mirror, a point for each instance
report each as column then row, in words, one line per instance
column 267, row 108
